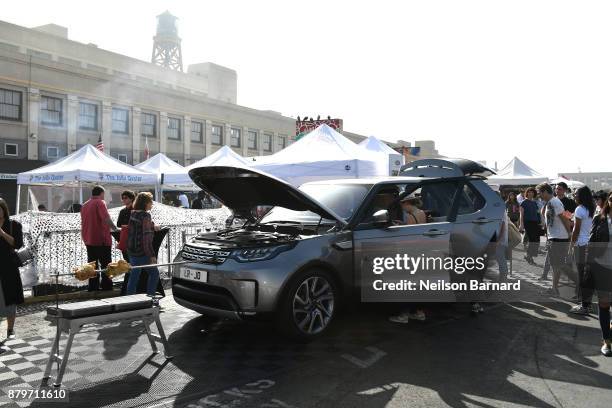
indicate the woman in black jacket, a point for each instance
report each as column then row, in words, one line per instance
column 11, row 291
column 127, row 198
column 600, row 265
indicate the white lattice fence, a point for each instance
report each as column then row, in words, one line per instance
column 55, row 238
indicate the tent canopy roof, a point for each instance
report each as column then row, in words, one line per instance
column 322, row 154
column 322, row 144
column 516, row 172
column 374, row 144
column 225, row 156
column 88, row 165
column 160, row 163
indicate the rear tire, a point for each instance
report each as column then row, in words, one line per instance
column 308, row 306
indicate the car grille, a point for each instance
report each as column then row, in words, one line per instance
column 203, row 255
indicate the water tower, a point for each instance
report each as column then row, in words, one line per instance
column 167, row 44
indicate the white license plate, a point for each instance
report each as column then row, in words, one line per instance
column 194, row 274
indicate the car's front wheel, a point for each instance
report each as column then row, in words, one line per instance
column 308, row 305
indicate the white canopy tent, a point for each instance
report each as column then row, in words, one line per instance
column 517, row 173
column 161, row 165
column 86, row 165
column 374, row 145
column 225, row 156
column 322, row 154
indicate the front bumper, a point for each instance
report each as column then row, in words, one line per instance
column 233, row 290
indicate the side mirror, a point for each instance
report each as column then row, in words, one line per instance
column 381, row 217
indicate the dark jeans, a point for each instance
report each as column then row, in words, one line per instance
column 585, row 292
column 532, row 230
column 102, row 256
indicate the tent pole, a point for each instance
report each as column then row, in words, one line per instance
column 80, row 193
column 18, row 199
column 28, row 199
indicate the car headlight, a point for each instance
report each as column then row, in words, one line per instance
column 258, row 254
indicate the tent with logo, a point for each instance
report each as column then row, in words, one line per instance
column 87, row 165
column 225, row 156
column 517, row 173
column 374, row 145
column 322, row 154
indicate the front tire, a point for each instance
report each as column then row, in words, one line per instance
column 308, row 306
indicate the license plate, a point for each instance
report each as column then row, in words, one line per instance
column 194, row 274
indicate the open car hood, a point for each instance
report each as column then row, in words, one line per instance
column 241, row 189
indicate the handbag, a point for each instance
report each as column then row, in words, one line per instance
column 514, row 236
column 23, row 255
column 123, row 239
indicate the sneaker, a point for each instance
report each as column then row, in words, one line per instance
column 606, row 348
column 403, row 318
column 580, row 310
column 10, row 334
column 419, row 315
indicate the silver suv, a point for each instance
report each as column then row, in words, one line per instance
column 300, row 260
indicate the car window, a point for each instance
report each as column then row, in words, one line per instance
column 386, row 198
column 342, row 199
column 470, row 200
column 437, row 199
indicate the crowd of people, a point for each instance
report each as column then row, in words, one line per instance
column 578, row 235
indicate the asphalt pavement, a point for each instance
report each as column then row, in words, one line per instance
column 519, row 354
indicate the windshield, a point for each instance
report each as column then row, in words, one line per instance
column 343, row 199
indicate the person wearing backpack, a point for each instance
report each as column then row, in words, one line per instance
column 599, row 264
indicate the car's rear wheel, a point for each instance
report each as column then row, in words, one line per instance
column 309, row 305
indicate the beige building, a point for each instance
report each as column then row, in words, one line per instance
column 57, row 95
column 595, row 181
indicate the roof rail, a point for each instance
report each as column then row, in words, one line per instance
column 445, row 168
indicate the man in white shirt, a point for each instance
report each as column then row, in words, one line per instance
column 558, row 230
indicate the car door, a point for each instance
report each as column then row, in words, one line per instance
column 479, row 212
column 429, row 241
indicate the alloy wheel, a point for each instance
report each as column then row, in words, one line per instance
column 313, row 305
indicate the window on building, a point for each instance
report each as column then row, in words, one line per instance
column 148, row 124
column 10, row 104
column 50, row 111
column 122, row 158
column 282, row 142
column 196, row 132
column 267, row 142
column 217, row 135
column 174, row 129
column 252, row 140
column 88, row 116
column 235, row 135
column 52, row 152
column 120, row 121
column 11, row 149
